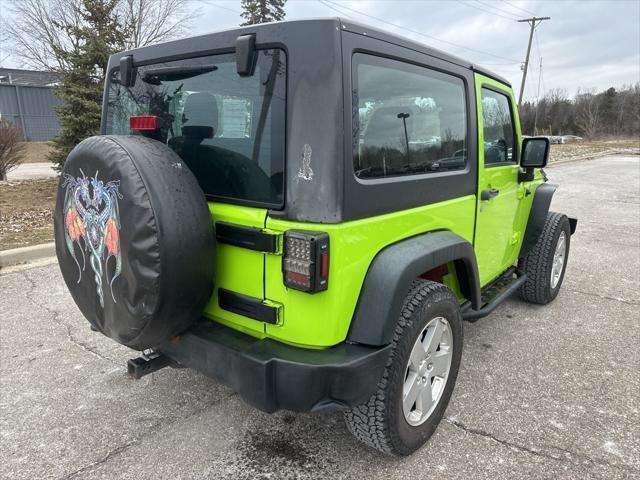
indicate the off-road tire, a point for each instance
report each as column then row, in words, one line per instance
column 538, row 263
column 380, row 422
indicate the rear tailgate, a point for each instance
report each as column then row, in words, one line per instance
column 228, row 128
column 239, row 270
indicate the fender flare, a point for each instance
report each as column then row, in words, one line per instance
column 537, row 216
column 390, row 275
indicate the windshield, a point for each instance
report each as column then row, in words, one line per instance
column 228, row 129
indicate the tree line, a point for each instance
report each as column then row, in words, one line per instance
column 590, row 114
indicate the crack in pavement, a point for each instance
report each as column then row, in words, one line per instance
column 56, row 317
column 568, row 456
column 604, row 297
column 110, row 454
column 131, row 443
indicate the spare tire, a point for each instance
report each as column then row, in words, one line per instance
column 134, row 239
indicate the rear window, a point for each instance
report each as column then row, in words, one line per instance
column 230, row 130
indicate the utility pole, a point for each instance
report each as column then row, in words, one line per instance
column 531, row 21
column 535, row 118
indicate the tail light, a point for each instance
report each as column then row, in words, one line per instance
column 305, row 264
column 144, row 122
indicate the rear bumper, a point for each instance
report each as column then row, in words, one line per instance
column 271, row 376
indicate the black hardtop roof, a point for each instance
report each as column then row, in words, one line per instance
column 345, row 25
column 362, row 29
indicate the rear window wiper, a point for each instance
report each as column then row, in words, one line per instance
column 156, row 76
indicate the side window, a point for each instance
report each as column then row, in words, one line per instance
column 410, row 120
column 497, row 123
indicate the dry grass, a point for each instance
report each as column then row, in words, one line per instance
column 584, row 149
column 37, row 152
column 26, row 212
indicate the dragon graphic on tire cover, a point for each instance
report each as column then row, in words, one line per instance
column 92, row 221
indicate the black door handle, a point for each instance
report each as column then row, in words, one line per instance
column 489, row 194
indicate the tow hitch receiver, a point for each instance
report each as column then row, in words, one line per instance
column 146, row 364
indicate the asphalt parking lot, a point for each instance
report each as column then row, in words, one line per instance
column 543, row 392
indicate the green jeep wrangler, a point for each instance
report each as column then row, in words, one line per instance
column 307, row 211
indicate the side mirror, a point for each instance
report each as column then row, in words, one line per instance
column 535, row 152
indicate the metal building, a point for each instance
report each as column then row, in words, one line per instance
column 29, row 102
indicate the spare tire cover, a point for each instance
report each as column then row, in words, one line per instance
column 134, row 239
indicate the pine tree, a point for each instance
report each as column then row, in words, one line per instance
column 82, row 84
column 262, row 11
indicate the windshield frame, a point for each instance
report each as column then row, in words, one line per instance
column 283, row 123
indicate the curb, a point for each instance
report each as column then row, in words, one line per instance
column 17, row 256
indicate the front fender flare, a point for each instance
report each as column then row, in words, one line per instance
column 390, row 275
column 537, row 216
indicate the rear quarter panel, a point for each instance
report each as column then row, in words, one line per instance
column 323, row 319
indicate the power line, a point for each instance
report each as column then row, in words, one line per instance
column 515, row 17
column 486, row 11
column 328, row 5
column 502, row 63
column 208, row 2
column 544, row 89
column 531, row 21
column 420, row 33
column 519, row 8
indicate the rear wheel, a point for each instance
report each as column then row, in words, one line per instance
column 420, row 374
column 546, row 263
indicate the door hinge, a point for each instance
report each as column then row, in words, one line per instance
column 266, row 311
column 278, row 236
column 251, row 238
column 279, row 309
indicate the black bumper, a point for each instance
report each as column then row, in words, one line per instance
column 271, row 375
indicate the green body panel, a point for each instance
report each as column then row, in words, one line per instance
column 323, row 319
column 501, row 221
column 237, row 269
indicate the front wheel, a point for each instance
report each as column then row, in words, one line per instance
column 419, row 376
column 546, row 263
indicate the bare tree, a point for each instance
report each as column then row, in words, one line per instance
column 587, row 107
column 11, row 147
column 152, row 21
column 36, row 34
column 42, row 31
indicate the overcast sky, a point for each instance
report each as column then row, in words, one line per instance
column 586, row 44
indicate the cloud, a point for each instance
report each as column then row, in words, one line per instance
column 588, row 44
column 585, row 44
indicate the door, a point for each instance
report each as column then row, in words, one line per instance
column 497, row 234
